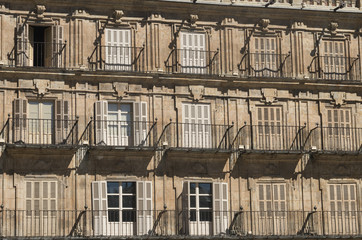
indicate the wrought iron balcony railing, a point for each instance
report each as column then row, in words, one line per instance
column 117, row 58
column 40, row 131
column 195, row 136
column 193, row 62
column 335, row 68
column 335, row 139
column 270, row 138
column 331, row 3
column 133, row 223
column 38, row 54
column 265, row 65
column 119, row 133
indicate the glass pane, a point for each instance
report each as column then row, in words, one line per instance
column 192, row 201
column 192, row 215
column 129, row 201
column 129, row 216
column 112, row 187
column 192, row 188
column 205, row 202
column 113, row 201
column 129, row 187
column 205, row 188
column 113, row 216
column 205, row 215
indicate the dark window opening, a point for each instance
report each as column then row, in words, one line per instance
column 40, row 41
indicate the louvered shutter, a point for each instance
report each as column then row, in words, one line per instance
column 62, row 124
column 265, row 56
column 57, row 42
column 20, row 120
column 101, row 116
column 22, row 44
column 339, row 131
column 193, row 55
column 140, row 123
column 99, row 201
column 220, row 208
column 118, row 49
column 144, row 207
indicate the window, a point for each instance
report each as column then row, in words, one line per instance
column 342, row 217
column 121, row 124
column 269, row 129
column 193, row 52
column 118, row 49
column 122, row 208
column 205, row 208
column 36, row 122
column 272, row 208
column 41, row 208
column 39, row 46
column 266, row 59
column 196, row 125
column 334, row 61
column 339, row 129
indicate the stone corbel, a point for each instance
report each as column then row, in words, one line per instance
column 120, row 89
column 197, row 92
column 193, row 19
column 333, row 28
column 339, row 98
column 41, row 86
column 39, row 11
column 117, row 15
column 264, row 24
column 269, row 95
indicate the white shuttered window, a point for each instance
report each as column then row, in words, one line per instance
column 192, row 52
column 118, row 49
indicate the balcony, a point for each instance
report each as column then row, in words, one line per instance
column 189, row 61
column 117, row 58
column 335, row 68
column 38, row 54
column 272, row 138
column 335, row 139
column 41, row 132
column 171, row 223
column 195, row 137
column 331, row 3
column 265, row 65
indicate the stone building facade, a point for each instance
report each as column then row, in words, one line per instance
column 180, row 118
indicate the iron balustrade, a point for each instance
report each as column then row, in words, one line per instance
column 335, row 139
column 270, row 138
column 119, row 133
column 348, row 3
column 108, row 223
column 335, row 68
column 196, row 136
column 265, row 65
column 190, row 61
column 40, row 131
column 38, row 54
column 117, row 58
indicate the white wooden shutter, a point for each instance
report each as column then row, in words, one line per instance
column 20, row 119
column 144, row 207
column 62, row 124
column 220, row 208
column 193, row 55
column 265, row 55
column 140, row 123
column 185, row 212
column 118, row 49
column 57, row 42
column 101, row 116
column 99, row 201
column 339, row 129
column 23, row 44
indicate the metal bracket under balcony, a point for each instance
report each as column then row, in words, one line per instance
column 108, row 138
column 335, row 68
column 269, row 139
column 117, row 58
column 265, row 65
column 188, row 61
column 38, row 54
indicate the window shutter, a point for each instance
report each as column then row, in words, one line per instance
column 61, row 120
column 185, row 213
column 99, row 201
column 23, row 44
column 220, row 210
column 57, row 45
column 20, row 119
column 140, row 123
column 144, row 207
column 101, row 115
